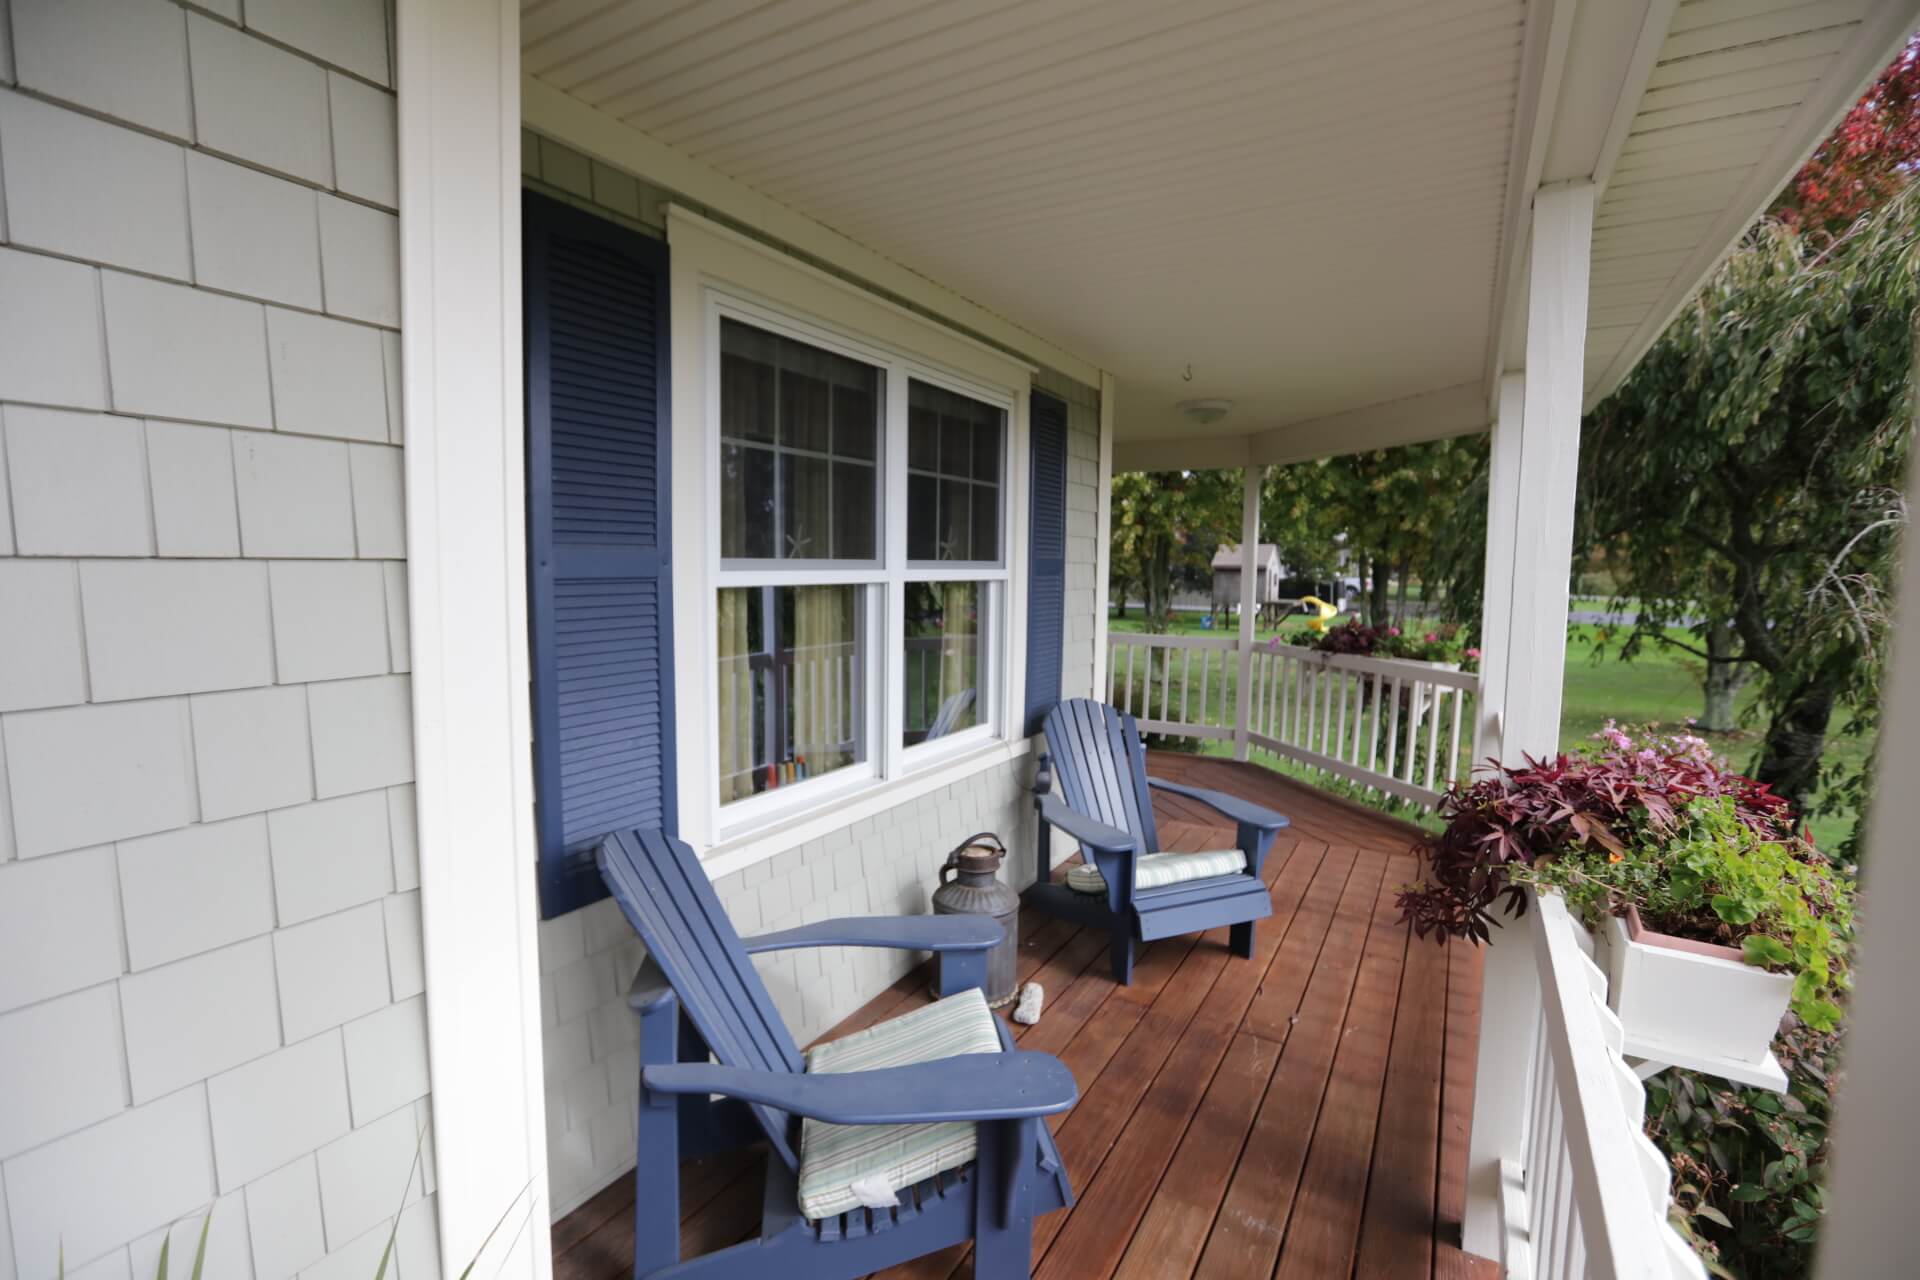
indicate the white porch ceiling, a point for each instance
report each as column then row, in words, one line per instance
column 1309, row 203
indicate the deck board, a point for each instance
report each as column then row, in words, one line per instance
column 1302, row 1113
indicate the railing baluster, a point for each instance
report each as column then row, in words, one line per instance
column 1433, row 731
column 1186, row 674
column 1393, row 725
column 1276, row 692
column 1411, row 762
column 1340, row 736
column 1166, row 677
column 1453, row 739
column 1373, row 734
column 1357, row 687
column 1130, row 649
column 1560, row 1263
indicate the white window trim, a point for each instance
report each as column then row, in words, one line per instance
column 885, row 616
column 718, row 272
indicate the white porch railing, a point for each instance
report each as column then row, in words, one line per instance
column 1586, row 1193
column 1386, row 723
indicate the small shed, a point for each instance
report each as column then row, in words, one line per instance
column 1226, row 577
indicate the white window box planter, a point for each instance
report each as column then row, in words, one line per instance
column 1694, row 1004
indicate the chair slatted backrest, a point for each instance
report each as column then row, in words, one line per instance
column 1102, row 767
column 669, row 900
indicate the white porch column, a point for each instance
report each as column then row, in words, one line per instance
column 459, row 118
column 1869, row 1224
column 1536, row 450
column 1496, row 616
column 1531, row 491
column 1249, row 603
column 1103, row 546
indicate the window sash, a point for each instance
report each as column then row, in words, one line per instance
column 884, row 579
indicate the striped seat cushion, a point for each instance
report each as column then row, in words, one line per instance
column 1156, row 869
column 834, row 1156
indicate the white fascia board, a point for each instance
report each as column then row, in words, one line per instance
column 1180, row 453
column 1431, row 415
column 564, row 118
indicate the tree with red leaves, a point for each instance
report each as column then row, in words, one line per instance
column 1866, row 160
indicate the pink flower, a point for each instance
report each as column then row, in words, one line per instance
column 1429, row 638
column 1393, row 631
column 1474, row 654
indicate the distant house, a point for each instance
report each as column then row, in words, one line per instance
column 1226, row 577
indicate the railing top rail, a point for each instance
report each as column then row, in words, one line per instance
column 1151, row 640
column 1405, row 668
column 1623, row 1218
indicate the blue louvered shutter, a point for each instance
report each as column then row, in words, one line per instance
column 1046, row 555
column 599, row 608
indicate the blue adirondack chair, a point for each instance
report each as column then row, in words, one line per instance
column 934, row 1110
column 1125, row 884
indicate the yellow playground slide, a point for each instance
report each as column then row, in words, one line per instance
column 1324, row 612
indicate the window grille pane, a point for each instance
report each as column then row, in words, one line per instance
column 852, row 521
column 803, row 411
column 945, row 662
column 955, row 446
column 923, row 518
column 746, row 502
column 792, row 685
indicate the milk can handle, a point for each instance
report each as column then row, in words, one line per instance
column 952, row 864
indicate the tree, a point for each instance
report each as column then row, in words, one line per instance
column 1396, row 510
column 1165, row 522
column 1745, row 478
column 1866, row 161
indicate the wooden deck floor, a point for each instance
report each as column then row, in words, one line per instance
column 1304, row 1115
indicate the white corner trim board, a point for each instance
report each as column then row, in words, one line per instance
column 459, row 120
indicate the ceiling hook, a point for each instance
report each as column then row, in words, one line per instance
column 1187, row 376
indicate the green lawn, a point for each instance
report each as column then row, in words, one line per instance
column 1660, row 686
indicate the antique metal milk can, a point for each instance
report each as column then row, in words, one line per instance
column 974, row 889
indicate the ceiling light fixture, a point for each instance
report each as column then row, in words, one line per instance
column 1204, row 412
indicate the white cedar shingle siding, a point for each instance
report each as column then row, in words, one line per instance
column 50, row 349
column 328, row 378
column 253, row 233
column 123, row 58
column 191, row 472
column 79, row 481
column 80, row 210
column 214, row 976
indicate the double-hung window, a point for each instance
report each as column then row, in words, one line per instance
column 862, row 567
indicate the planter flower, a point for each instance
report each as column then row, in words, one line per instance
column 1720, row 914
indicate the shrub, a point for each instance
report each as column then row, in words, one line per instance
column 1747, row 1162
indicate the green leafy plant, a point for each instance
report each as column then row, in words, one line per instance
column 1711, row 877
column 1748, row 1162
column 1657, row 823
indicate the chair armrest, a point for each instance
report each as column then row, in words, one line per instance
column 1243, row 812
column 973, row 1086
column 1090, row 832
column 900, row 933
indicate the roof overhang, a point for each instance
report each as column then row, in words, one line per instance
column 1317, row 211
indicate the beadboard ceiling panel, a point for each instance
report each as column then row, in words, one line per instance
column 1297, row 206
column 1740, row 92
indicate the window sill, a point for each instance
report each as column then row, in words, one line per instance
column 739, row 849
